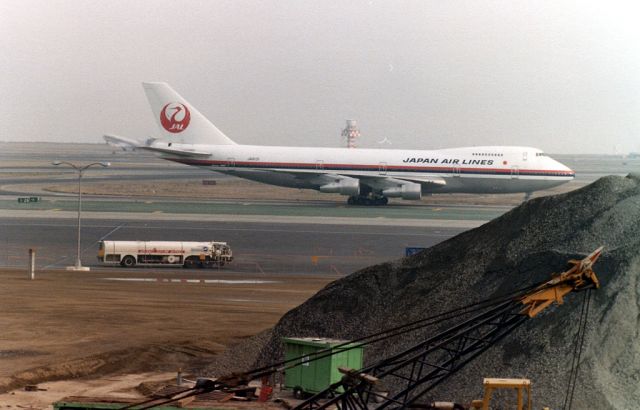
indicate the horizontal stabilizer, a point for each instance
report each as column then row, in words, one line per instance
column 151, row 144
column 176, row 149
column 122, row 142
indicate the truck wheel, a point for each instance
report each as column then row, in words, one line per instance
column 298, row 393
column 189, row 263
column 128, row 261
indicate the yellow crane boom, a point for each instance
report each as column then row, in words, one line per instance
column 580, row 276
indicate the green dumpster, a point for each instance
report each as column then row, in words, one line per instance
column 314, row 376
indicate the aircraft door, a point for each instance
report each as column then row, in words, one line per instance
column 382, row 168
column 319, row 164
column 231, row 162
column 456, row 171
column 524, row 155
column 515, row 172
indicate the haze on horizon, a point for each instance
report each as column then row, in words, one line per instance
column 563, row 76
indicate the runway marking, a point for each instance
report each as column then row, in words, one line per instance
column 207, row 228
column 391, row 220
column 207, row 281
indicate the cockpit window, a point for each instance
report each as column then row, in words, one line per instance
column 540, row 154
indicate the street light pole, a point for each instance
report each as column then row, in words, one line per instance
column 78, row 263
column 78, row 266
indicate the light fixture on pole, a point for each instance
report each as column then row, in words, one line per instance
column 78, row 266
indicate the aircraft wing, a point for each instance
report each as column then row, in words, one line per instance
column 383, row 182
column 431, row 181
column 377, row 182
column 156, row 146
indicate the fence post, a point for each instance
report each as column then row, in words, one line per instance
column 32, row 263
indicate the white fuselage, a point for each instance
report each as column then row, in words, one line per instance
column 366, row 176
column 488, row 169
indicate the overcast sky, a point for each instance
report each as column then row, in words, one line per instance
column 563, row 76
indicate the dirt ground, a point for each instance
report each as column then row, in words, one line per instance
column 121, row 386
column 67, row 325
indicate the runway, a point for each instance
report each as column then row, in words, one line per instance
column 259, row 247
column 230, row 209
column 272, row 235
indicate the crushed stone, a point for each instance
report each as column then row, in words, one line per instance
column 524, row 246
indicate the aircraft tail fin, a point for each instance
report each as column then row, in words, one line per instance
column 178, row 120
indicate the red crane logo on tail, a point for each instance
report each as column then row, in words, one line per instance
column 175, row 117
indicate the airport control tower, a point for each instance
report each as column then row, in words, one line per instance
column 351, row 132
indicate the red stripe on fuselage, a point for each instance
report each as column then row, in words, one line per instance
column 378, row 167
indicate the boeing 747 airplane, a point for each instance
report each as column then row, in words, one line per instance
column 366, row 176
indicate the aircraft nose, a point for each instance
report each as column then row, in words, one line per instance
column 565, row 169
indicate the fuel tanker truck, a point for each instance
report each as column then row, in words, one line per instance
column 186, row 254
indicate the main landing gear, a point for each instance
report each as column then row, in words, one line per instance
column 368, row 200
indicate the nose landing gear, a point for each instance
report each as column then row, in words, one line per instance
column 368, row 200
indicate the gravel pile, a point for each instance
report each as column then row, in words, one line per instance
column 522, row 247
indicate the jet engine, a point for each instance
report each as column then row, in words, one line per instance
column 343, row 186
column 409, row 190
